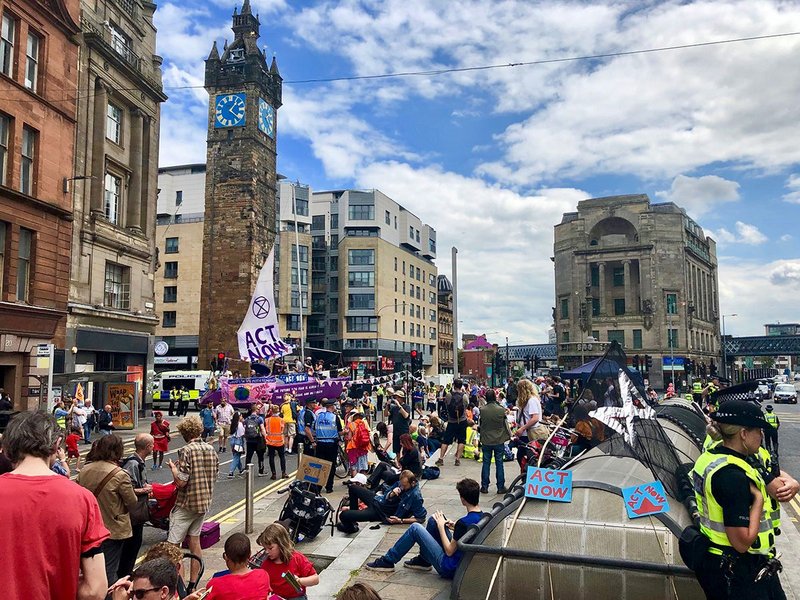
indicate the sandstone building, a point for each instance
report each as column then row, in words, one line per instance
column 445, row 317
column 639, row 273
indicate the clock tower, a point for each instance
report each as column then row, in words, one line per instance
column 241, row 182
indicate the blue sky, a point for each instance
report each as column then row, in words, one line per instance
column 492, row 158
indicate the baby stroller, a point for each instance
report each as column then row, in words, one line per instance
column 161, row 503
column 305, row 512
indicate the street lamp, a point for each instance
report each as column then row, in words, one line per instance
column 378, row 331
column 724, row 353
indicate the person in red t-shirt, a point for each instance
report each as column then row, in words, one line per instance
column 71, row 442
column 34, row 497
column 282, row 558
column 242, row 583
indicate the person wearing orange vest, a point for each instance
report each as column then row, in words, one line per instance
column 275, row 441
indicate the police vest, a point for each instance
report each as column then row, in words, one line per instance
column 697, row 387
column 274, row 429
column 772, row 419
column 712, row 523
column 174, row 395
column 765, row 458
column 325, row 427
column 185, row 395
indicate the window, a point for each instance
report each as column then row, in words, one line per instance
column 113, row 192
column 419, row 331
column 388, row 218
column 565, row 337
column 296, row 299
column 121, row 42
column 293, row 322
column 619, row 306
column 411, row 232
column 359, row 233
column 361, row 301
column 3, row 235
column 637, row 339
column 333, row 303
column 431, row 280
column 411, row 289
column 595, row 307
column 334, row 220
column 672, row 304
column 617, row 335
column 29, row 136
column 171, row 270
column 32, row 61
column 318, row 222
column 334, row 263
column 303, row 253
column 565, row 308
column 361, row 279
column 418, row 311
column 117, row 287
column 361, row 212
column 5, row 127
column 432, row 245
column 619, row 276
column 178, row 197
column 416, row 237
column 431, row 297
column 432, row 331
column 7, row 38
column 433, row 315
column 334, row 240
column 303, row 276
column 114, row 129
column 395, row 284
column 170, row 294
column 672, row 338
column 334, row 284
column 395, row 325
column 333, row 326
column 596, row 334
column 361, row 257
column 301, row 206
column 395, row 264
column 418, row 274
column 318, row 303
column 171, row 245
column 411, row 329
column 170, row 319
column 362, row 324
column 24, row 264
column 318, row 242
column 595, row 274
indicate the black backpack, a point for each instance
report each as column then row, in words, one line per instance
column 455, row 405
column 251, row 427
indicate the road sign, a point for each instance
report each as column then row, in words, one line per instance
column 43, row 350
column 646, row 499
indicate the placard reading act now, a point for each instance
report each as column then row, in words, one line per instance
column 547, row 484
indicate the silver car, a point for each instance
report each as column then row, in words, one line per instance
column 785, row 392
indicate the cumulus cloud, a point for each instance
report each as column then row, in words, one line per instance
column 793, row 185
column 699, row 195
column 745, row 233
column 786, row 272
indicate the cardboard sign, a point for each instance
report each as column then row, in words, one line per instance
column 547, row 484
column 646, row 499
column 313, row 470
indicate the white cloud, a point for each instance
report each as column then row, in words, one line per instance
column 793, row 185
column 699, row 195
column 744, row 234
column 786, row 238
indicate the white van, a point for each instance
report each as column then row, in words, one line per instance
column 196, row 382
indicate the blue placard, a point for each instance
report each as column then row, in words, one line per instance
column 547, row 484
column 645, row 499
column 293, row 378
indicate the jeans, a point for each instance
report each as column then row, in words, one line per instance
column 349, row 518
column 236, row 457
column 433, row 445
column 106, row 432
column 430, row 546
column 87, row 432
column 497, row 450
column 112, row 551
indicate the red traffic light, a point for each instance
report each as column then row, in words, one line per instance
column 413, row 354
column 220, row 356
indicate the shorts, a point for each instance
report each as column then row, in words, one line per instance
column 183, row 522
column 208, row 431
column 73, row 454
column 455, row 432
column 290, row 428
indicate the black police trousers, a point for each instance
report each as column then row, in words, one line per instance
column 743, row 585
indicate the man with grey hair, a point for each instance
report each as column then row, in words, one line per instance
column 105, row 420
column 33, row 499
column 134, row 465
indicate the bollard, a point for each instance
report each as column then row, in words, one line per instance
column 248, row 500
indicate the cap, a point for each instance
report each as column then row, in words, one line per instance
column 399, row 394
column 740, row 412
column 768, row 407
column 312, row 400
column 329, row 402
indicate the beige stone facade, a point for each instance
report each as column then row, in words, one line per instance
column 445, row 317
column 642, row 274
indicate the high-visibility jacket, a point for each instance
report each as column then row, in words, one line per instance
column 274, row 427
column 712, row 523
column 765, row 458
column 771, row 418
column 184, row 395
column 697, row 387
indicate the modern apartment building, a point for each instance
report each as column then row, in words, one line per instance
column 373, row 282
column 111, row 315
column 39, row 76
column 641, row 274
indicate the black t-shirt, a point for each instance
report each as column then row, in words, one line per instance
column 409, row 459
column 308, row 421
column 398, row 421
column 731, row 488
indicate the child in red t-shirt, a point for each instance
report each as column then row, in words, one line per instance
column 240, row 583
column 281, row 558
column 72, row 446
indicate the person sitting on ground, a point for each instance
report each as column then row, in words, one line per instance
column 401, row 504
column 241, row 582
column 359, row 591
column 409, row 459
column 435, row 432
column 154, row 579
column 282, row 558
column 438, row 547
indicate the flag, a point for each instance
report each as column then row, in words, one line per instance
column 259, row 336
column 79, row 393
column 621, row 419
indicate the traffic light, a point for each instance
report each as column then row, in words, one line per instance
column 413, row 357
column 219, row 363
column 648, row 361
column 636, row 362
column 528, row 364
column 713, row 368
column 536, row 363
column 689, row 366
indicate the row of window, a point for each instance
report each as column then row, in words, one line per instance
column 414, row 330
column 619, row 306
column 28, row 149
column 618, row 335
column 23, row 262
column 416, row 272
column 9, row 34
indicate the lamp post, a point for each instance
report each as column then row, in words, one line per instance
column 378, row 331
column 724, row 353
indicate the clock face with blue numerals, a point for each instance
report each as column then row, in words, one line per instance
column 266, row 118
column 229, row 111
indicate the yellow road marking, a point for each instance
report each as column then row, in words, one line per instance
column 795, row 505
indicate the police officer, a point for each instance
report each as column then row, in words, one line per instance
column 697, row 390
column 184, row 401
column 735, row 508
column 771, row 432
column 174, row 396
column 327, row 429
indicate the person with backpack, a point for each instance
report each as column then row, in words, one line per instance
column 275, row 443
column 359, row 443
column 255, row 439
column 456, row 430
column 327, row 431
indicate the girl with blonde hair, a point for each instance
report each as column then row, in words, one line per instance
column 281, row 558
column 529, row 415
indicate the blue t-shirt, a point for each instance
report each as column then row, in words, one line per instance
column 450, row 563
column 208, row 418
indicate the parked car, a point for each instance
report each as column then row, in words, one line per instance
column 785, row 392
column 764, row 390
column 797, row 377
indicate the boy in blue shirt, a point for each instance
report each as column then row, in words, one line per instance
column 438, row 548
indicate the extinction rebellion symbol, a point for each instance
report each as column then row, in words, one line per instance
column 261, row 307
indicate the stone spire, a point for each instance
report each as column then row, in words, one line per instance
column 214, row 55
